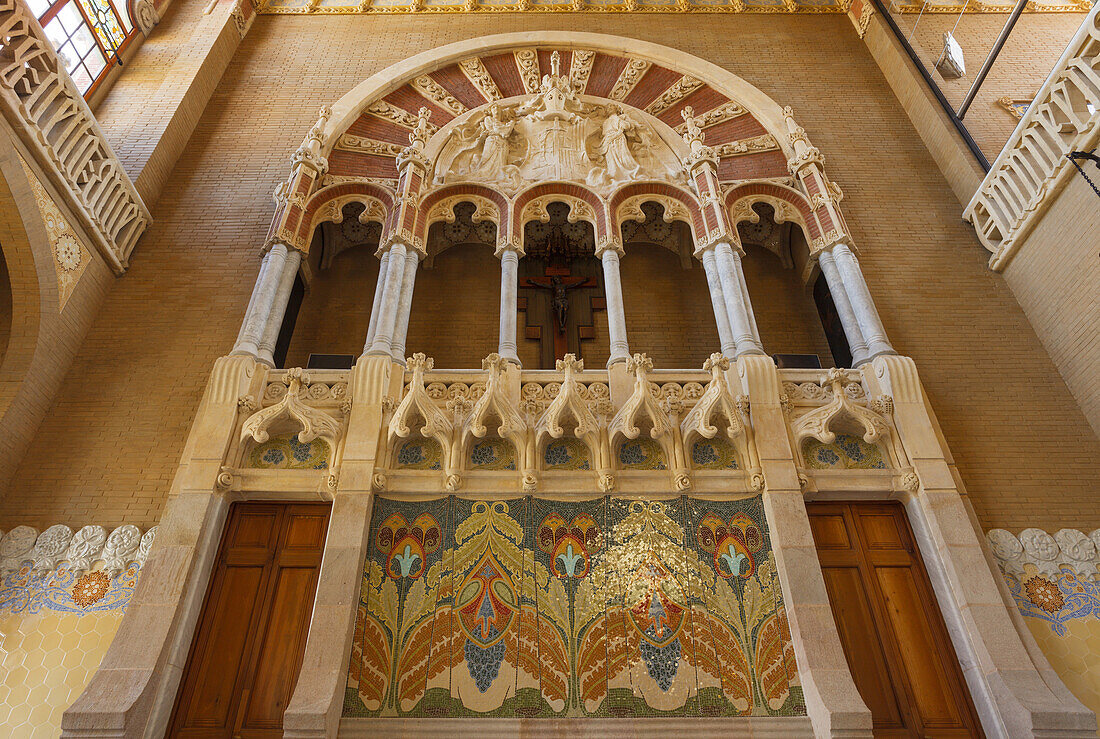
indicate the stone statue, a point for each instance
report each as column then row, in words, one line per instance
column 494, row 134
column 619, row 162
column 559, row 297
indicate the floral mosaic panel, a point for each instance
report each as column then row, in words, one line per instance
column 714, row 454
column 848, row 452
column 1055, row 582
column 608, row 607
column 642, row 453
column 419, row 454
column 287, row 453
column 492, row 454
column 566, row 454
column 65, row 591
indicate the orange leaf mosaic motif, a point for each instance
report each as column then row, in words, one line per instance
column 545, row 608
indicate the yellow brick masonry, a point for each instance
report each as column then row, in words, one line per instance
column 109, row 449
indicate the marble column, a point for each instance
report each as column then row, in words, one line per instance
column 613, row 293
column 718, row 303
column 382, row 341
column 509, row 294
column 408, row 282
column 263, row 297
column 274, row 325
column 848, row 320
column 746, row 337
column 864, row 307
column 379, row 284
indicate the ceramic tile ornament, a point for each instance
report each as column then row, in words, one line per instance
column 532, row 608
column 847, row 452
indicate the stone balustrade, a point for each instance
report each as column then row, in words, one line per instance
column 1033, row 168
column 49, row 114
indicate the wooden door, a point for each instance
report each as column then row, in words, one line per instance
column 897, row 645
column 247, row 650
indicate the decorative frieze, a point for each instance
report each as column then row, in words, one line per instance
column 58, row 546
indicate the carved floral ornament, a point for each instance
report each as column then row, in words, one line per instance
column 291, row 412
column 1047, row 553
column 59, row 546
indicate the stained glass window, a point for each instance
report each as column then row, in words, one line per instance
column 89, row 35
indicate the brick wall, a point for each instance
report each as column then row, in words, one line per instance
column 1031, row 51
column 109, row 451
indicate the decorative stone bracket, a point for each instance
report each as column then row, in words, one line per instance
column 58, row 545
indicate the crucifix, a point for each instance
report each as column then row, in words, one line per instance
column 559, row 303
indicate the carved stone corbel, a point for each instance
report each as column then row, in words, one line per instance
column 716, row 402
column 417, row 404
column 817, row 423
column 496, row 403
column 571, row 405
column 642, row 408
column 314, row 422
column 146, row 16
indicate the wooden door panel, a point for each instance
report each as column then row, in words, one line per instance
column 859, row 637
column 898, row 648
column 281, row 649
column 929, row 679
column 247, row 650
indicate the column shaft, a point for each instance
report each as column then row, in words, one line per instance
column 408, row 282
column 718, row 303
column 263, row 297
column 844, row 309
column 382, row 342
column 278, row 308
column 616, row 317
column 742, row 325
column 862, row 304
column 509, row 292
column 379, row 284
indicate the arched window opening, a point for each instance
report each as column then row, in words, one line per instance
column 89, row 36
column 561, row 293
column 669, row 314
column 455, row 316
column 330, row 326
column 785, row 314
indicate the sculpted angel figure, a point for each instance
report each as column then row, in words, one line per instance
column 493, row 159
column 615, row 147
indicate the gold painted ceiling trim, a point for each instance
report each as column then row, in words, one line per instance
column 389, row 7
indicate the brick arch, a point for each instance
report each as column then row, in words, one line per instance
column 461, row 193
column 565, row 190
column 366, row 193
column 658, row 191
column 754, row 192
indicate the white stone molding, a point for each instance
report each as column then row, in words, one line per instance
column 741, row 210
column 674, row 210
column 57, row 546
column 367, row 145
column 580, row 68
column 496, row 403
column 310, row 153
column 528, row 62
column 724, row 112
column 480, row 78
column 312, row 422
column 417, row 411
column 435, row 92
column 443, row 211
column 389, row 112
column 569, row 410
column 680, row 89
column 1046, row 553
column 536, row 210
column 1032, row 168
column 55, row 123
column 631, row 75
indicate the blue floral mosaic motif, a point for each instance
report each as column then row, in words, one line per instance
column 847, row 452
column 420, row 454
column 285, row 452
column 493, row 454
column 26, row 592
column 566, row 454
column 642, row 454
column 1055, row 601
column 714, row 454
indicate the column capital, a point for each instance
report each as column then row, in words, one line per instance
column 712, row 241
column 609, row 244
column 410, row 245
column 509, row 245
column 821, row 246
column 274, row 242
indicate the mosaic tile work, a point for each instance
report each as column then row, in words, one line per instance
column 492, row 454
column 566, row 454
column 63, row 591
column 848, row 452
column 419, row 454
column 542, row 608
column 287, row 453
column 642, row 454
column 714, row 454
column 1055, row 582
